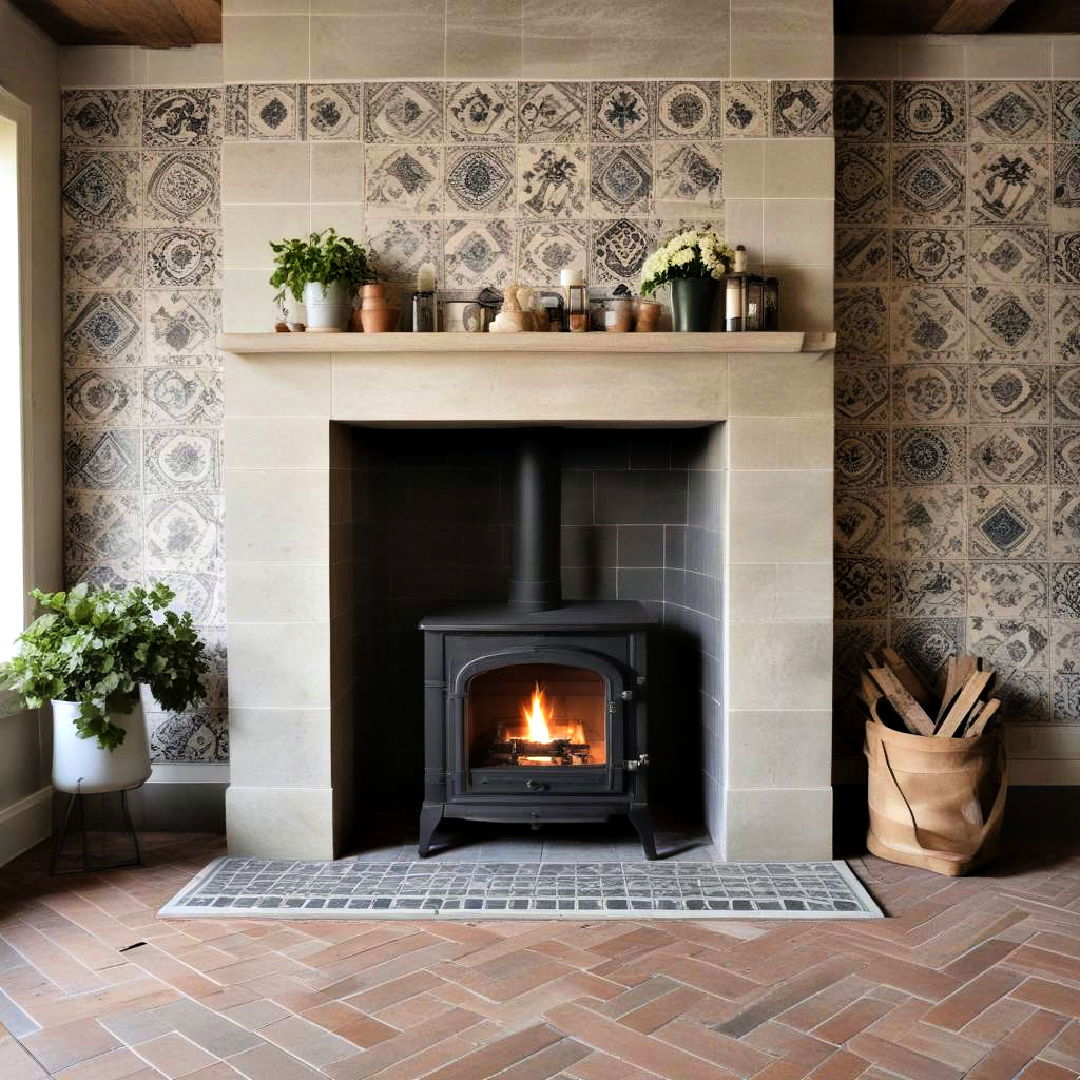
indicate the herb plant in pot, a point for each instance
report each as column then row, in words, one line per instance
column 692, row 262
column 324, row 271
column 87, row 654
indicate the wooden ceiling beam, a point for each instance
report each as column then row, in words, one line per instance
column 970, row 16
column 156, row 24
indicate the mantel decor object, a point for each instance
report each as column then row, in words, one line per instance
column 693, row 263
column 376, row 314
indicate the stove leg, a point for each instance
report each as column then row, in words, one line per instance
column 430, row 816
column 641, row 819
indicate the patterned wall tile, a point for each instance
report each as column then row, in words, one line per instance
column 861, row 587
column 184, row 532
column 862, row 183
column 181, row 187
column 181, row 459
column 928, row 185
column 861, row 254
column 275, row 111
column 402, row 245
column 181, row 258
column 1007, row 324
column 1005, row 254
column 480, row 180
column 622, row 179
column 801, row 109
column 861, row 522
column 406, row 180
column 861, row 457
column 747, row 108
column 928, row 324
column 925, row 393
column 929, row 112
column 622, row 111
column 182, row 396
column 109, row 258
column 927, row 643
column 860, row 315
column 552, row 181
column 1010, row 392
column 332, row 111
column 181, row 327
column 236, row 111
column 103, row 528
column 1008, row 183
column 1065, row 523
column 544, row 250
column 403, row 112
column 553, row 112
column 481, row 253
column 689, row 178
column 1066, row 326
column 861, row 394
column 688, row 110
column 100, row 118
column 1008, row 590
column 861, row 111
column 618, row 248
column 930, row 256
column 101, row 459
column 1011, row 643
column 1008, row 455
column 1067, row 110
column 1007, row 522
column 929, row 588
column 924, row 456
column 1066, row 258
column 481, row 112
column 109, row 397
column 189, row 737
column 927, row 522
column 99, row 189
column 1065, row 465
column 1003, row 111
column 1066, row 187
column 182, row 118
column 102, row 328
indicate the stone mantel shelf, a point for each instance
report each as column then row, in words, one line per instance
column 788, row 341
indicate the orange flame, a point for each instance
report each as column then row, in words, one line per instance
column 537, row 715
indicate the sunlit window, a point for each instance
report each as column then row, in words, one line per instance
column 12, row 556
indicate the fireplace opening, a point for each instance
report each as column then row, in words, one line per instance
column 424, row 521
column 536, row 716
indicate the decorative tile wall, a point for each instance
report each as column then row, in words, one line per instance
column 142, row 378
column 958, row 322
column 493, row 181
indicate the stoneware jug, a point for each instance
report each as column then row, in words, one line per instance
column 80, row 765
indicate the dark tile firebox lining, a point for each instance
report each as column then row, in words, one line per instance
column 432, row 514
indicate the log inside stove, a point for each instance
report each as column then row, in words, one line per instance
column 528, row 752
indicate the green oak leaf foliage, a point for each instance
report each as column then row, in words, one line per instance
column 96, row 646
column 321, row 259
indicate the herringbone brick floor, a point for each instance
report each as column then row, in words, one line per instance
column 977, row 977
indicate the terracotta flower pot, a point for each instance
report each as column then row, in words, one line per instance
column 376, row 314
column 646, row 316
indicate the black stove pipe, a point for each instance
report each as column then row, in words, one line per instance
column 534, row 581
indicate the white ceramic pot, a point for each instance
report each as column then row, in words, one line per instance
column 326, row 306
column 80, row 765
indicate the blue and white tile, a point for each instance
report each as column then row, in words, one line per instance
column 106, row 258
column 688, row 110
column 182, row 117
column 183, row 258
column 479, row 252
column 552, row 181
column 102, row 328
column 622, row 181
column 99, row 118
column 181, row 460
column 101, row 459
column 103, row 528
column 102, row 397
column 181, row 187
column 181, row 327
column 100, row 189
column 481, row 112
column 622, row 111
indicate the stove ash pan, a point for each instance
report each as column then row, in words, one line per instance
column 536, row 717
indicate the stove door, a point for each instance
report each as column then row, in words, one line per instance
column 541, row 722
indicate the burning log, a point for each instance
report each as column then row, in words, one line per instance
column 530, row 752
column 961, row 707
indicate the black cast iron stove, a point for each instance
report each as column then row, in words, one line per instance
column 534, row 710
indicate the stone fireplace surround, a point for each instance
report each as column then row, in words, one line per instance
column 290, row 403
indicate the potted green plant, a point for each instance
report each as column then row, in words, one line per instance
column 87, row 653
column 692, row 262
column 323, row 272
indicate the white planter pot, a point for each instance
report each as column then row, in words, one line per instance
column 80, row 765
column 326, row 306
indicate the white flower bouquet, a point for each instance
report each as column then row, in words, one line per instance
column 690, row 254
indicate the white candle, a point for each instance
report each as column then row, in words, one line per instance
column 425, row 278
column 571, row 275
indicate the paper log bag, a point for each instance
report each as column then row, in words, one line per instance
column 935, row 803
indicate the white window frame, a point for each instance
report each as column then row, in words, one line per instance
column 18, row 113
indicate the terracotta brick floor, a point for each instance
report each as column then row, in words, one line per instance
column 977, row 977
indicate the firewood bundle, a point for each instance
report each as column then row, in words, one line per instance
column 960, row 706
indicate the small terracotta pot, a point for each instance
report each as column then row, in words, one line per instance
column 380, row 320
column 646, row 316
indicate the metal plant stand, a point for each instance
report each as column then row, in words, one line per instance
column 89, row 862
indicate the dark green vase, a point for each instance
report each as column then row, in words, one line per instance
column 693, row 303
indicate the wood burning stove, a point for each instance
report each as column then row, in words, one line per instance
column 535, row 709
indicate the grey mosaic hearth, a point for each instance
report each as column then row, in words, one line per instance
column 527, row 890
